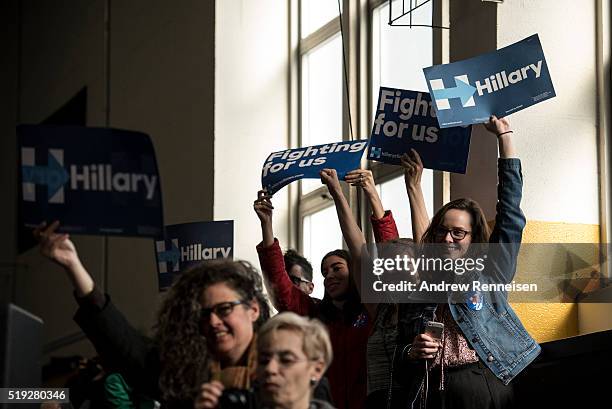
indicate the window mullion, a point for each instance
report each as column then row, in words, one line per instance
column 320, row 36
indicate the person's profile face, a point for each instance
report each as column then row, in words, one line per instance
column 296, row 274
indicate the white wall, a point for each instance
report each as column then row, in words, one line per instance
column 557, row 139
column 251, row 113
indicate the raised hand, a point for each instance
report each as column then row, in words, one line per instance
column 56, row 246
column 413, row 168
column 59, row 248
column 329, row 177
column 497, row 125
column 263, row 207
column 501, row 128
column 362, row 178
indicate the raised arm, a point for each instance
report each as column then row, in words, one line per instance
column 115, row 340
column 363, row 178
column 60, row 249
column 284, row 295
column 500, row 127
column 509, row 219
column 350, row 230
column 413, row 170
column 263, row 207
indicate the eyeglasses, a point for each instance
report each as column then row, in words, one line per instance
column 298, row 280
column 221, row 310
column 456, row 234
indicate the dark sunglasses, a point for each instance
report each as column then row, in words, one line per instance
column 298, row 280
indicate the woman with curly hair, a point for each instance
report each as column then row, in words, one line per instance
column 205, row 328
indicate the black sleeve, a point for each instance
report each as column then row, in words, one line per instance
column 120, row 346
column 322, row 391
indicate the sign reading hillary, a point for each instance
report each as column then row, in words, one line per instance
column 497, row 83
column 188, row 244
column 284, row 167
column 93, row 180
column 407, row 119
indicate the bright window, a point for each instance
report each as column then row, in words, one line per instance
column 320, row 234
column 321, row 105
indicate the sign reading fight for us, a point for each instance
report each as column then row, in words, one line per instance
column 407, row 119
column 188, row 244
column 497, row 83
column 284, row 167
column 93, row 180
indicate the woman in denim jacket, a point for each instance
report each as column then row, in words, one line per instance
column 484, row 345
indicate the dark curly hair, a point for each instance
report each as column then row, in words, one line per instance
column 292, row 258
column 183, row 353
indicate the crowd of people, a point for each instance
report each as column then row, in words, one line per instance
column 217, row 345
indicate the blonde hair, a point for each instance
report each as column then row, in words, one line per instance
column 315, row 338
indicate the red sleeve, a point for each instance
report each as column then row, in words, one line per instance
column 384, row 228
column 285, row 296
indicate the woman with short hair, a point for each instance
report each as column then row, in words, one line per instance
column 294, row 353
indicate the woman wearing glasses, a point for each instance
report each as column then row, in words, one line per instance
column 483, row 344
column 293, row 353
column 205, row 328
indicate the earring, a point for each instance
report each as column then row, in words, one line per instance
column 313, row 381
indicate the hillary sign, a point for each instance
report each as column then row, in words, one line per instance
column 188, row 244
column 93, row 180
column 498, row 83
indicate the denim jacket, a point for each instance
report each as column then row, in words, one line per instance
column 494, row 332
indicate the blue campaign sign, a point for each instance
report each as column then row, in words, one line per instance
column 188, row 244
column 93, row 180
column 498, row 83
column 284, row 167
column 407, row 119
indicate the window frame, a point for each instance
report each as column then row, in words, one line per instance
column 357, row 24
column 318, row 199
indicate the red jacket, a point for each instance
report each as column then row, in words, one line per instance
column 384, row 228
column 348, row 332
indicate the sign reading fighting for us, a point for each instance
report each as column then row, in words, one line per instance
column 93, row 180
column 407, row 119
column 188, row 244
column 498, row 83
column 284, row 167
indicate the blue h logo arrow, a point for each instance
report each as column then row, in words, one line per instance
column 462, row 90
column 54, row 176
column 375, row 153
column 169, row 257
